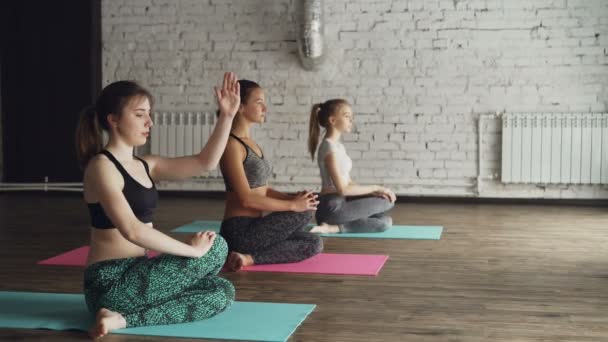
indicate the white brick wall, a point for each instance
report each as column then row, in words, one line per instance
column 419, row 74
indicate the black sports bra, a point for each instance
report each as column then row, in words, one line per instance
column 141, row 199
column 257, row 169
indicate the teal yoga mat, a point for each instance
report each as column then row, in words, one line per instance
column 398, row 232
column 395, row 232
column 252, row 321
column 197, row 226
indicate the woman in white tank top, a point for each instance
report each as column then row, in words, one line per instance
column 344, row 206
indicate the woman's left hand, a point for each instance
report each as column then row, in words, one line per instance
column 303, row 192
column 387, row 194
column 228, row 96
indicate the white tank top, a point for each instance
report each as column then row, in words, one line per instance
column 345, row 164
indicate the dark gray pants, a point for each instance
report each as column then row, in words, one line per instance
column 359, row 214
column 276, row 238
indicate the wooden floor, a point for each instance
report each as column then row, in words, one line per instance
column 499, row 272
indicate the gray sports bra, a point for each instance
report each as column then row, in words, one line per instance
column 257, row 169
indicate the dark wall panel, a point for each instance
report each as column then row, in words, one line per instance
column 50, row 70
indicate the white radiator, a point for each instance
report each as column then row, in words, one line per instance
column 181, row 134
column 555, row 148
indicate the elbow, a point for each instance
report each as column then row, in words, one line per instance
column 209, row 164
column 247, row 203
column 252, row 201
column 209, row 168
column 132, row 233
column 341, row 190
column 131, row 237
column 205, row 164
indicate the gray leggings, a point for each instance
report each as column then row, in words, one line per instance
column 272, row 239
column 359, row 214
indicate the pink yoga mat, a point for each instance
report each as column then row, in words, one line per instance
column 76, row 257
column 327, row 263
column 324, row 263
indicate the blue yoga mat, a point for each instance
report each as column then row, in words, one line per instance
column 395, row 232
column 253, row 321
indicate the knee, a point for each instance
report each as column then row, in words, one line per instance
column 331, row 204
column 227, row 295
column 229, row 291
column 220, row 295
column 327, row 209
column 387, row 223
column 220, row 247
column 305, row 217
column 389, row 205
column 215, row 257
column 317, row 244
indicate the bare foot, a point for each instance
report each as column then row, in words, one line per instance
column 325, row 228
column 106, row 321
column 236, row 261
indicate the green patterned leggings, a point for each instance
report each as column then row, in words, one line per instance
column 166, row 289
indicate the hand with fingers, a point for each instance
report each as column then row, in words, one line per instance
column 305, row 201
column 386, row 193
column 202, row 241
column 299, row 193
column 228, row 96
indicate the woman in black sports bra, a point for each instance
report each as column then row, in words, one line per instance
column 253, row 238
column 121, row 285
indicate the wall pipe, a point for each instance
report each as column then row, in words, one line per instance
column 309, row 33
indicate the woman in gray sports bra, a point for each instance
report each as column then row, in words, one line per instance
column 253, row 238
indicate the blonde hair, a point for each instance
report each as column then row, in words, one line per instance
column 319, row 117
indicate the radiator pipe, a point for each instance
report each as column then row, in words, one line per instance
column 480, row 178
column 40, row 188
column 40, row 184
column 44, row 186
column 309, row 33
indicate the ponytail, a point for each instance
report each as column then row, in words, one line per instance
column 314, row 130
column 89, row 138
column 113, row 99
column 319, row 117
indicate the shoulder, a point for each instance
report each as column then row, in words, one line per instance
column 234, row 151
column 234, row 146
column 99, row 162
column 101, row 170
column 327, row 146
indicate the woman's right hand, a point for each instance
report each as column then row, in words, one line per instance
column 202, row 242
column 305, row 201
column 228, row 96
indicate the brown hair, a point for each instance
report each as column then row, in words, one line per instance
column 319, row 117
column 93, row 119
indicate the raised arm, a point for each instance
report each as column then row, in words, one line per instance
column 232, row 169
column 107, row 183
column 228, row 100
